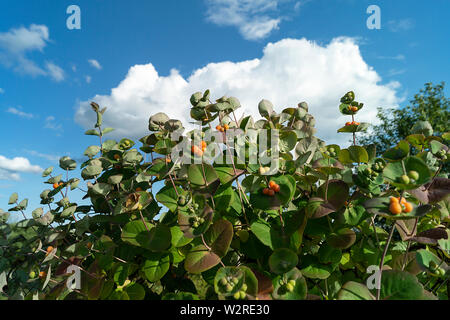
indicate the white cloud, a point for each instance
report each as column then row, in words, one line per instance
column 17, row 43
column 55, row 72
column 2, row 91
column 48, row 157
column 88, row 79
column 94, row 63
column 256, row 19
column 51, row 124
column 401, row 25
column 10, row 168
column 290, row 71
column 19, row 113
column 399, row 57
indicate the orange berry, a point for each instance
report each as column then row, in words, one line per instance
column 266, row 191
column 49, row 249
column 116, row 156
column 395, row 208
column 272, row 184
column 139, row 189
column 276, row 188
column 55, row 185
column 226, row 127
column 408, row 207
column 354, row 109
column 271, row 193
column 89, row 245
column 348, row 123
column 168, row 160
column 219, row 127
column 394, row 200
column 42, row 274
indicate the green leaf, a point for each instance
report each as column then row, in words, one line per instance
column 13, row 198
column 132, row 230
column 196, row 177
column 92, row 151
column 158, row 239
column 47, row 172
column 342, row 239
column 354, row 291
column 135, row 291
column 156, row 266
column 168, row 197
column 66, row 163
column 200, row 259
column 288, row 140
column 92, row 132
column 400, row 285
column 399, row 152
column 354, row 154
column 107, row 130
column 101, row 188
column 219, row 237
column 282, row 260
column 265, row 108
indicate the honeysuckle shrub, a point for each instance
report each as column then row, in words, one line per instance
column 237, row 209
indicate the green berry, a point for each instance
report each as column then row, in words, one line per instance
column 433, row 266
column 405, row 179
column 243, row 235
column 237, row 295
column 182, row 201
column 202, row 220
column 413, row 175
column 228, row 287
column 441, row 272
column 32, row 275
column 289, row 287
column 331, row 150
column 223, row 281
column 292, row 282
column 235, row 280
column 242, row 295
column 195, row 224
column 244, row 287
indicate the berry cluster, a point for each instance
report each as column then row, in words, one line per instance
column 223, row 128
column 56, row 185
column 398, row 206
column 273, row 188
column 353, row 123
column 228, row 284
column 410, row 178
column 287, row 285
column 199, row 150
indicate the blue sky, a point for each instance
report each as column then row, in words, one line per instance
column 154, row 54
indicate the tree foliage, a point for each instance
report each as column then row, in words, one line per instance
column 228, row 214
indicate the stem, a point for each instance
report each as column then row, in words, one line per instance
column 382, row 259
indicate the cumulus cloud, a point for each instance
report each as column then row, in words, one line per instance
column 94, row 63
column 19, row 113
column 290, row 71
column 256, row 19
column 10, row 168
column 17, row 43
column 2, row 91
